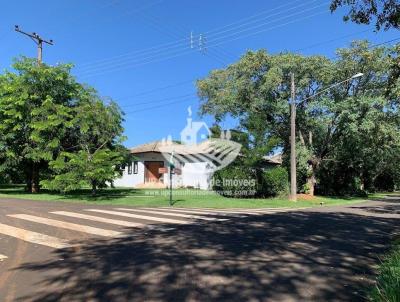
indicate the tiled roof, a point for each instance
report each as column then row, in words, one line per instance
column 148, row 147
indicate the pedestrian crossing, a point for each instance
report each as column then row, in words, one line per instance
column 99, row 219
column 68, row 225
column 110, row 222
column 190, row 216
column 144, row 217
column 33, row 237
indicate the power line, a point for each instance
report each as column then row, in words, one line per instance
column 170, row 45
column 170, row 50
column 158, row 106
column 301, row 12
column 159, row 100
column 126, row 64
column 156, row 89
column 232, row 28
column 169, row 55
column 331, row 40
column 180, row 101
column 250, row 17
column 178, row 32
column 38, row 41
column 337, row 56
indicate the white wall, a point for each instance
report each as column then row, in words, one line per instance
column 193, row 174
column 196, row 175
column 131, row 180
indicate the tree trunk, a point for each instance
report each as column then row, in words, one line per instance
column 94, row 188
column 312, row 179
column 311, row 184
column 35, row 178
column 28, row 182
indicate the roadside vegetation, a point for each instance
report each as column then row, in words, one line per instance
column 62, row 136
column 348, row 135
column 387, row 288
column 56, row 133
column 181, row 198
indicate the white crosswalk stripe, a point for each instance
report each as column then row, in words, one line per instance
column 33, row 237
column 254, row 211
column 196, row 212
column 99, row 219
column 150, row 216
column 265, row 210
column 144, row 217
column 217, row 211
column 68, row 225
column 172, row 214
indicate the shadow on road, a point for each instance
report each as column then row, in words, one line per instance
column 293, row 256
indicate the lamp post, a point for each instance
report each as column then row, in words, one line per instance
column 293, row 168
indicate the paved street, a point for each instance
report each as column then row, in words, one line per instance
column 70, row 252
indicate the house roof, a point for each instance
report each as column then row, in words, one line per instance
column 148, row 147
column 274, row 159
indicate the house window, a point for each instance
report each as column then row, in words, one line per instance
column 130, row 168
column 135, row 167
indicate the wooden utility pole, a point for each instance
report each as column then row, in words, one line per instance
column 34, row 184
column 38, row 41
column 293, row 178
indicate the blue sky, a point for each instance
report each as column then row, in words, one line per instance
column 139, row 52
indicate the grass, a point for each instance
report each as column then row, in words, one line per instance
column 387, row 288
column 181, row 198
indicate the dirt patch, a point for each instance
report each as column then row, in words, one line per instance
column 306, row 197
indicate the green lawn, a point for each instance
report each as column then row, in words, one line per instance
column 387, row 288
column 181, row 198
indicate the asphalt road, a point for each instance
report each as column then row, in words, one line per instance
column 70, row 252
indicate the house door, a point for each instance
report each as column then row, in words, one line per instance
column 151, row 172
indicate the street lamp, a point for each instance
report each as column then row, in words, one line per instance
column 293, row 168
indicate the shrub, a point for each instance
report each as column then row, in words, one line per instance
column 235, row 182
column 387, row 286
column 275, row 182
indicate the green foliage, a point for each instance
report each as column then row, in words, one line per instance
column 386, row 12
column 97, row 132
column 81, row 169
column 36, row 104
column 276, row 182
column 348, row 135
column 246, row 182
column 387, row 288
column 44, row 113
column 235, row 181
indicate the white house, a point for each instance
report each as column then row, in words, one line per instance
column 145, row 170
column 148, row 160
column 195, row 159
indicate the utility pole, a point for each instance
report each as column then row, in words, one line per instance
column 293, row 178
column 38, row 41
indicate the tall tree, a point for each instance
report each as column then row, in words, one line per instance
column 259, row 85
column 35, row 114
column 385, row 12
column 98, row 152
column 56, row 129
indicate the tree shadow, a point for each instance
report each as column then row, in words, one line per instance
column 79, row 195
column 389, row 205
column 299, row 256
